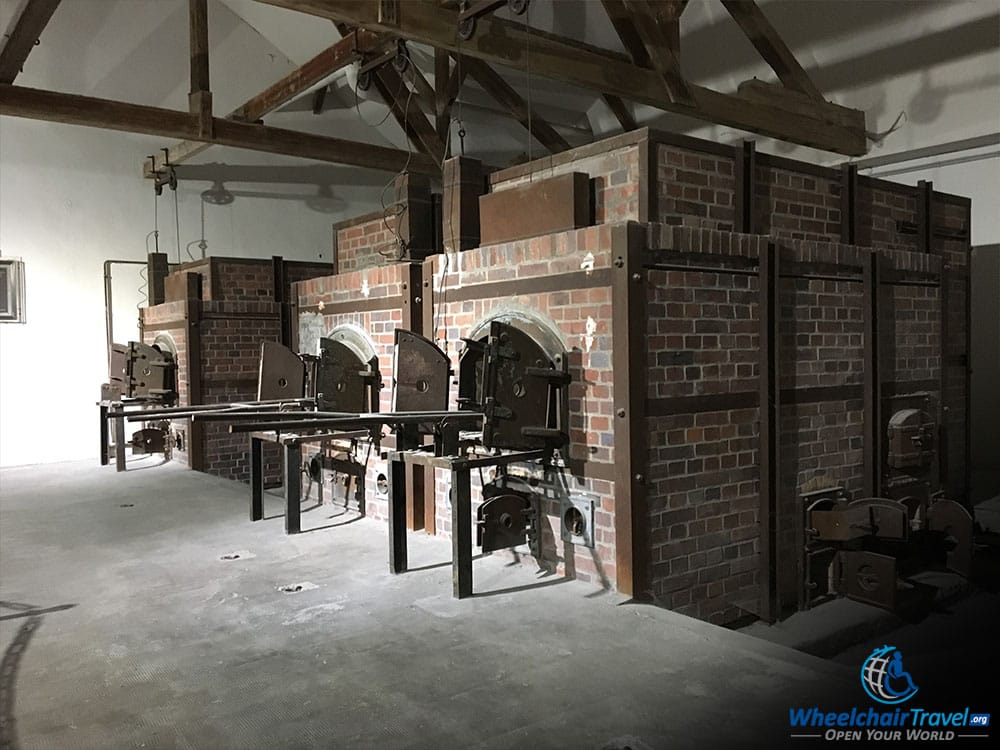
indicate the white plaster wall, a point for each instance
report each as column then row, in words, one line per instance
column 72, row 197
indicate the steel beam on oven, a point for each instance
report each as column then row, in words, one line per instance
column 873, row 381
column 768, row 444
column 629, row 291
column 849, row 204
column 746, row 186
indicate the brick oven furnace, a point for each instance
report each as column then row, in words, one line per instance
column 762, row 353
column 214, row 316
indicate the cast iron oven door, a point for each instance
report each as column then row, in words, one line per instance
column 867, row 517
column 911, row 439
column 149, row 440
column 955, row 524
column 143, row 370
column 421, row 374
column 515, row 387
column 869, row 577
column 506, row 517
column 343, row 381
column 282, row 373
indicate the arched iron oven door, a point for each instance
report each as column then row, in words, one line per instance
column 344, row 382
column 282, row 373
column 517, row 386
column 422, row 374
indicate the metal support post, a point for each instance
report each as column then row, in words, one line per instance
column 256, row 479
column 293, row 488
column 397, row 516
column 461, row 533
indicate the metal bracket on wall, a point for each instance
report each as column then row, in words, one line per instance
column 576, row 512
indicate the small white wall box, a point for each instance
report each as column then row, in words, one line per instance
column 11, row 290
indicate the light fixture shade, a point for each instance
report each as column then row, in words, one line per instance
column 218, row 195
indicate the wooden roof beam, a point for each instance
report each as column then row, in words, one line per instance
column 795, row 118
column 30, row 24
column 200, row 96
column 621, row 112
column 326, row 63
column 771, row 46
column 72, row 109
column 499, row 89
column 659, row 46
column 407, row 113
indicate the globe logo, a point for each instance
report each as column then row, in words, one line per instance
column 883, row 676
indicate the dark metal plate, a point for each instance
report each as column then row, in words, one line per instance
column 876, row 516
column 118, row 370
column 515, row 400
column 546, row 206
column 833, row 525
column 142, row 370
column 503, row 522
column 956, row 523
column 421, row 374
column 148, row 440
column 470, row 375
column 912, row 443
column 282, row 373
column 343, row 380
column 869, row 577
column 819, row 576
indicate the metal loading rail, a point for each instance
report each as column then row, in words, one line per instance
column 450, row 451
column 293, row 430
column 512, row 409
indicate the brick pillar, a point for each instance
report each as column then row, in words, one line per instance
column 463, row 184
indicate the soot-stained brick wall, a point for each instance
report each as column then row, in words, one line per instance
column 576, row 305
column 794, row 204
column 696, row 188
column 363, row 242
column 702, row 387
column 615, row 171
column 236, row 313
column 374, row 302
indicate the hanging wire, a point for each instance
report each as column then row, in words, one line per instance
column 392, row 250
column 201, row 243
column 439, row 301
column 357, row 104
column 156, row 225
column 395, row 250
column 527, row 67
column 177, row 229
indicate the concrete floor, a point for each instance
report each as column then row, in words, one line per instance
column 141, row 636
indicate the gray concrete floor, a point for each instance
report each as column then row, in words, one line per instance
column 141, row 636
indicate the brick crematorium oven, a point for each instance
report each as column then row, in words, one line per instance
column 213, row 318
column 766, row 364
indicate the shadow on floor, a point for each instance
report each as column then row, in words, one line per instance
column 12, row 661
column 525, row 587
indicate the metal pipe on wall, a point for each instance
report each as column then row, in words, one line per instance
column 108, row 313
